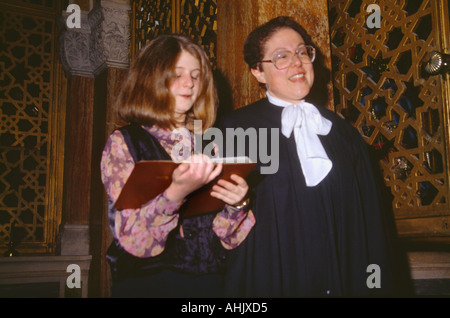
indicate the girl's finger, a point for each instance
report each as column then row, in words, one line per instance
column 239, row 180
column 227, row 185
column 215, row 173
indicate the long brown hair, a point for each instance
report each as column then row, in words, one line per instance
column 145, row 96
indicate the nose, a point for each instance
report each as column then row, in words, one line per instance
column 187, row 80
column 296, row 60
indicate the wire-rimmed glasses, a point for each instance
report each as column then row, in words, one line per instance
column 283, row 59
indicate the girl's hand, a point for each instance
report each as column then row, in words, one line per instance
column 229, row 192
column 197, row 171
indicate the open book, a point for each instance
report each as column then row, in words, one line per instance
column 150, row 178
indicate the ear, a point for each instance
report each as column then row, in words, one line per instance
column 259, row 75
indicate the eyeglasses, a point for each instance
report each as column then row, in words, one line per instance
column 283, row 59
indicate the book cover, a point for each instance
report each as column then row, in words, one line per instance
column 150, row 178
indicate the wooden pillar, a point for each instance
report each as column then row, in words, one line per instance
column 96, row 60
column 237, row 18
column 114, row 43
column 78, row 148
column 81, row 66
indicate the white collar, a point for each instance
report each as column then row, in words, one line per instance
column 305, row 120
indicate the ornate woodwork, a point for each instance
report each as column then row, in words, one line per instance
column 30, row 125
column 195, row 18
column 379, row 87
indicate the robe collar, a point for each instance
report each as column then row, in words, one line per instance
column 305, row 121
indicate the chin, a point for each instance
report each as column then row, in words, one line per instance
column 303, row 93
column 185, row 107
column 299, row 97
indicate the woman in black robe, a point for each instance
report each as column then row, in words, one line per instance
column 320, row 227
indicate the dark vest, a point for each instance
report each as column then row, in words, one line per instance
column 198, row 252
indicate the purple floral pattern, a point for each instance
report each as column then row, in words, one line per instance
column 143, row 232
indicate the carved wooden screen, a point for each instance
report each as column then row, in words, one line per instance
column 27, row 121
column 380, row 89
column 196, row 18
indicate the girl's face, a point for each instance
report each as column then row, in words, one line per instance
column 185, row 87
column 293, row 83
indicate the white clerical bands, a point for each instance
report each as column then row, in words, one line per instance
column 305, row 120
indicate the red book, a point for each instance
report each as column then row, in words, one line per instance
column 150, row 178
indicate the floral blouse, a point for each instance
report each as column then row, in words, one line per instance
column 143, row 232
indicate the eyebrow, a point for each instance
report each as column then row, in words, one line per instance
column 284, row 49
column 191, row 73
column 183, row 68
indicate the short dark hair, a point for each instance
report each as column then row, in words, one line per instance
column 255, row 43
column 254, row 51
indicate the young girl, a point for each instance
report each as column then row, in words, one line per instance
column 156, row 252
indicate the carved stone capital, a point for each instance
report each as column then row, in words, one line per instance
column 102, row 40
column 80, row 51
column 115, row 33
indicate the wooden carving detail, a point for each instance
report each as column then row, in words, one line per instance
column 379, row 87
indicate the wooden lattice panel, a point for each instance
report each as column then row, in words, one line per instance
column 26, row 97
column 195, row 18
column 150, row 19
column 379, row 88
column 199, row 20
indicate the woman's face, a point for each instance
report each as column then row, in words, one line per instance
column 185, row 87
column 293, row 83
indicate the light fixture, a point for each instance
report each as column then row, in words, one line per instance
column 439, row 63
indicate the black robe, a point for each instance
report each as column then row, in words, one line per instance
column 312, row 241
